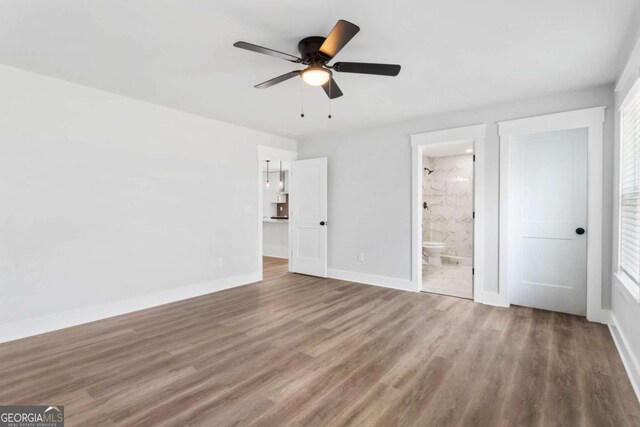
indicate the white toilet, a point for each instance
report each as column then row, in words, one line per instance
column 433, row 250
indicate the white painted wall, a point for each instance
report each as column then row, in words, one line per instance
column 625, row 309
column 370, row 184
column 105, row 198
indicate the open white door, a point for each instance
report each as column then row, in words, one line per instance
column 308, row 217
column 548, row 220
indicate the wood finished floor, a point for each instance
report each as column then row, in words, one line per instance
column 305, row 351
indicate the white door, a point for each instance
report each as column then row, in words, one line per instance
column 308, row 217
column 547, row 202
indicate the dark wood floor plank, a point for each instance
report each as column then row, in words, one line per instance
column 525, row 399
column 468, row 350
column 563, row 406
column 490, row 393
column 417, row 395
column 602, row 402
column 299, row 350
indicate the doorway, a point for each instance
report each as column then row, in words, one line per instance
column 448, row 212
column 292, row 219
column 447, row 219
column 274, row 166
column 275, row 216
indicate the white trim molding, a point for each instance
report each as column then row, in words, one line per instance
column 52, row 322
column 593, row 120
column 631, row 70
column 631, row 364
column 371, row 279
column 476, row 134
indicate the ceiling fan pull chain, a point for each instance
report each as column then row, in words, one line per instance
column 330, row 98
column 301, row 98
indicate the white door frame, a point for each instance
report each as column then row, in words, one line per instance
column 265, row 152
column 476, row 134
column 593, row 119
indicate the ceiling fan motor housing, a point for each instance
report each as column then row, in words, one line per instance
column 309, row 49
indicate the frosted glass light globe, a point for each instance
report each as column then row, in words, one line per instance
column 316, row 76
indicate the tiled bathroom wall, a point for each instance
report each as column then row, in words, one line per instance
column 448, row 192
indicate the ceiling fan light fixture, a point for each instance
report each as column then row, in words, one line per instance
column 316, row 76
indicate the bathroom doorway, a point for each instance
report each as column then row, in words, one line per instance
column 447, row 219
column 448, row 211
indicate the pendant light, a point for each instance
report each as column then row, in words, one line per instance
column 267, row 184
column 281, row 176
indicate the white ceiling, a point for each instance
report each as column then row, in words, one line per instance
column 455, row 54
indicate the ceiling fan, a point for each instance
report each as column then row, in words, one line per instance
column 315, row 53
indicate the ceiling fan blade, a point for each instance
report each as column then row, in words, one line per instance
column 267, row 51
column 277, row 80
column 332, row 91
column 366, row 68
column 338, row 38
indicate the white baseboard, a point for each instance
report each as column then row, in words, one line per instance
column 51, row 322
column 491, row 298
column 629, row 359
column 600, row 316
column 371, row 279
column 275, row 251
column 274, row 256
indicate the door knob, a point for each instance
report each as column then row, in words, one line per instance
column 580, row 231
column 323, row 223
